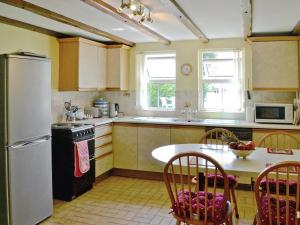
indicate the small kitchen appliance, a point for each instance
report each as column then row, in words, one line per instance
column 95, row 112
column 273, row 113
column 114, row 110
column 64, row 136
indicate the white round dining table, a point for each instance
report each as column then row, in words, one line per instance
column 251, row 166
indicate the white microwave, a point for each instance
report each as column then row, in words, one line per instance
column 273, row 113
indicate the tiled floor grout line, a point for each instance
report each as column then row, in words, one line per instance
column 128, row 201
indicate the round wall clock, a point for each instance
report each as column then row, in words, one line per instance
column 186, row 69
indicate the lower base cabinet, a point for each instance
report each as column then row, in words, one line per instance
column 104, row 164
column 149, row 138
column 103, row 149
column 186, row 134
column 125, row 146
column 134, row 143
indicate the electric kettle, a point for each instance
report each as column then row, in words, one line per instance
column 114, row 110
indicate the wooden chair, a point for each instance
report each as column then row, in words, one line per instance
column 275, row 188
column 193, row 207
column 215, row 137
column 279, row 140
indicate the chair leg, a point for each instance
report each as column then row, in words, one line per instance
column 232, row 190
column 229, row 221
column 252, row 184
column 254, row 220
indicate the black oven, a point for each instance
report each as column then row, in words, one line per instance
column 65, row 185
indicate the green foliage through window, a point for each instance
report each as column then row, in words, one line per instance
column 161, row 95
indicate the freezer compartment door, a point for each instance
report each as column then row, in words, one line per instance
column 29, row 98
column 30, row 182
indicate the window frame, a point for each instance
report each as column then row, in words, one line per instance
column 144, row 80
column 225, row 79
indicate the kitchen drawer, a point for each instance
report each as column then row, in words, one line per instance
column 102, row 150
column 100, row 141
column 103, row 130
column 104, row 164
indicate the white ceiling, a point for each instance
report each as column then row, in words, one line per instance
column 271, row 16
column 165, row 23
column 31, row 18
column 217, row 19
column 84, row 13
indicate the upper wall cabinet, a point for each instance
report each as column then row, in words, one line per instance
column 118, row 67
column 82, row 65
column 275, row 66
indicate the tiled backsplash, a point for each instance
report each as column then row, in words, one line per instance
column 81, row 99
column 128, row 105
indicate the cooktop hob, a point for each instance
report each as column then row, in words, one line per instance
column 71, row 126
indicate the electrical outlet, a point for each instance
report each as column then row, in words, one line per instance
column 298, row 215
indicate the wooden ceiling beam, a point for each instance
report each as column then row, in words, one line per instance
column 63, row 19
column 273, row 38
column 246, row 6
column 112, row 11
column 296, row 30
column 177, row 11
column 31, row 27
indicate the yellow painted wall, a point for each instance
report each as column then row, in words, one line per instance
column 187, row 52
column 13, row 38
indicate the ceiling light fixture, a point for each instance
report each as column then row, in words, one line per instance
column 135, row 10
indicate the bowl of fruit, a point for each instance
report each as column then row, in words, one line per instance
column 241, row 149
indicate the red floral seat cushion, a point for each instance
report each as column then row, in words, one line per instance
column 264, row 217
column 282, row 186
column 219, row 211
column 220, row 180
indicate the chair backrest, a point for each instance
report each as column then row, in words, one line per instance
column 277, row 194
column 188, row 205
column 217, row 136
column 279, row 140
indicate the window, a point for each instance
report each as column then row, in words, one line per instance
column 158, row 81
column 221, row 87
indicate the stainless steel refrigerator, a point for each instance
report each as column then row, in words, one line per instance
column 25, row 139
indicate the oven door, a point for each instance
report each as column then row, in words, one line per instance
column 270, row 114
column 85, row 182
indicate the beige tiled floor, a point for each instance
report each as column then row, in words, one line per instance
column 118, row 200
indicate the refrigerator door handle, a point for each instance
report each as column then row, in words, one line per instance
column 41, row 139
column 30, row 142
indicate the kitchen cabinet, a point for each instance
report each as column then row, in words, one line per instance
column 103, row 149
column 103, row 165
column 186, row 134
column 259, row 133
column 125, row 145
column 275, row 66
column 149, row 138
column 117, row 67
column 82, row 65
column 101, row 68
